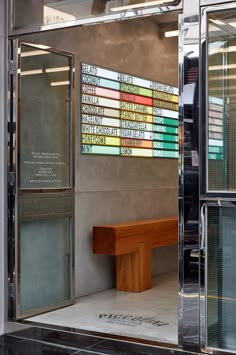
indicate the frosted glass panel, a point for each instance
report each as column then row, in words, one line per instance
column 221, row 278
column 221, row 140
column 45, row 115
column 45, row 263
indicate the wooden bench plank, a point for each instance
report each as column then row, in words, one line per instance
column 122, row 238
column 131, row 243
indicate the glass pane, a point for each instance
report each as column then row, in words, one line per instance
column 45, row 263
column 221, row 278
column 221, row 101
column 45, row 110
column 31, row 13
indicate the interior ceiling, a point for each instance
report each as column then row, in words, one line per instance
column 170, row 17
column 169, row 21
column 80, row 8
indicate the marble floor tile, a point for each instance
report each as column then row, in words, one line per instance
column 150, row 315
column 73, row 340
column 12, row 347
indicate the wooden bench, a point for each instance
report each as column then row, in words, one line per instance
column 132, row 244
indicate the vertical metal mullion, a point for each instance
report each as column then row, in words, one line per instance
column 220, row 277
column 204, row 336
column 10, row 188
column 11, row 176
column 225, row 128
column 189, row 332
column 181, row 193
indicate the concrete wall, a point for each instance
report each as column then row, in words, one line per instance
column 3, row 138
column 115, row 189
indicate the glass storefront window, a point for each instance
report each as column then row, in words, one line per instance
column 46, row 13
column 221, row 277
column 221, row 130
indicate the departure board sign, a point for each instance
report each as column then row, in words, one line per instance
column 127, row 115
column 215, row 129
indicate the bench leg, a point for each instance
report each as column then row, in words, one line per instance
column 133, row 271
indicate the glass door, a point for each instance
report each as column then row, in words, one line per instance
column 221, row 276
column 218, row 184
column 41, row 191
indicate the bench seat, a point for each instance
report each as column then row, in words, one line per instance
column 132, row 243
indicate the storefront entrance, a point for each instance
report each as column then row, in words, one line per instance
column 65, row 178
column 148, row 149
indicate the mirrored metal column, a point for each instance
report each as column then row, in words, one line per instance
column 189, row 178
column 3, row 164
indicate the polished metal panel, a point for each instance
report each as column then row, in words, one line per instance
column 3, row 164
column 12, row 161
column 76, row 13
column 46, row 206
column 189, row 248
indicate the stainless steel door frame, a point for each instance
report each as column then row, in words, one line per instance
column 205, row 192
column 217, row 205
column 214, row 2
column 65, row 195
column 208, row 198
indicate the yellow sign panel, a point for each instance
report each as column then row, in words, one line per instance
column 166, row 105
column 101, row 140
column 136, row 152
column 164, row 96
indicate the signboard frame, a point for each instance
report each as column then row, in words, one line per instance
column 155, row 84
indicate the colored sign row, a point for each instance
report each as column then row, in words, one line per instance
column 127, row 115
column 215, row 129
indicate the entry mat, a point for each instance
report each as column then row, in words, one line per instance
column 150, row 315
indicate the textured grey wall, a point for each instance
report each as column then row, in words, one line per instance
column 115, row 189
column 3, row 165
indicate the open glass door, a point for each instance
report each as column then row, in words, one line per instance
column 218, row 185
column 41, row 196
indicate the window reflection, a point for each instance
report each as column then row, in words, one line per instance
column 221, row 102
column 45, row 115
column 32, row 13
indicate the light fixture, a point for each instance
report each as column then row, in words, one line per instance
column 222, row 50
column 143, row 4
column 41, row 71
column 59, row 83
column 31, row 72
column 220, row 67
column 171, row 33
column 226, row 77
column 33, row 53
column 226, row 88
column 221, row 23
column 57, row 69
column 218, row 22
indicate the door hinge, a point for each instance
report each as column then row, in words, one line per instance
column 12, row 178
column 11, row 290
column 11, row 67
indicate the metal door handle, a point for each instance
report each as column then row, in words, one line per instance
column 202, row 244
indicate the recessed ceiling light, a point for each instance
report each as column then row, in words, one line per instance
column 171, row 34
column 143, row 4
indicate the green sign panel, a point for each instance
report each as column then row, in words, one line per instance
column 126, row 115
